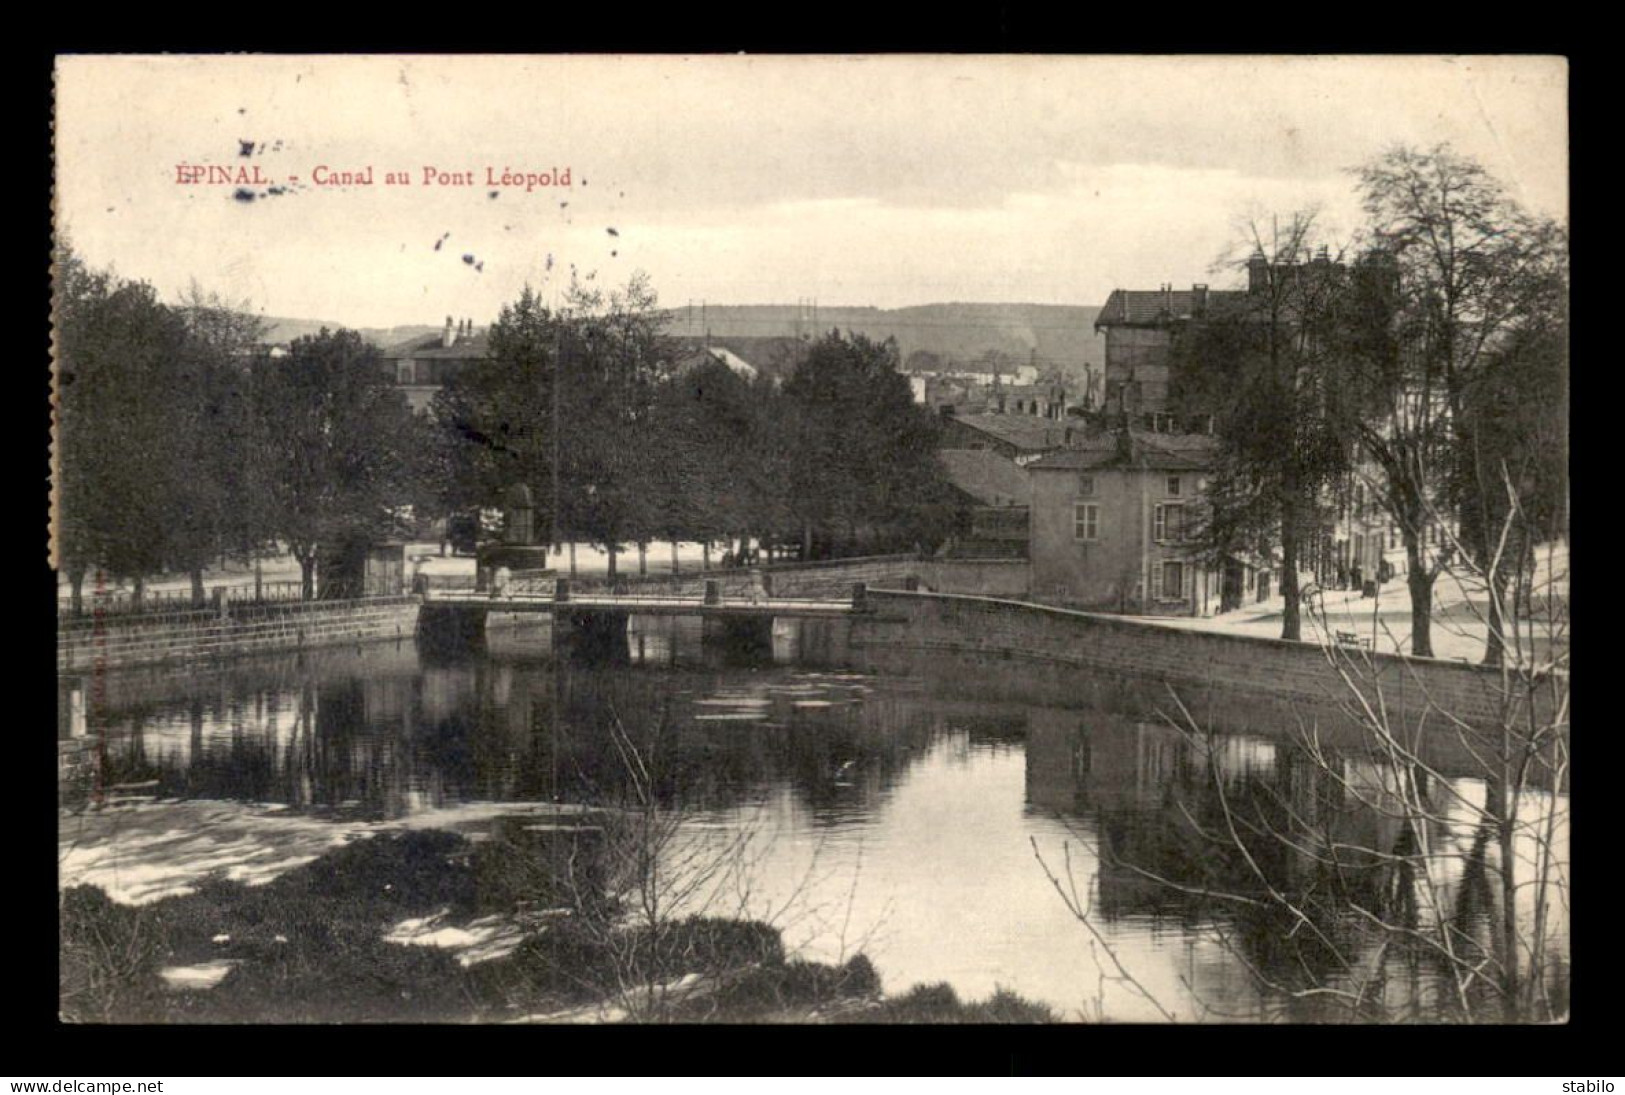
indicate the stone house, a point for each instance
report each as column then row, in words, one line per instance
column 1112, row 524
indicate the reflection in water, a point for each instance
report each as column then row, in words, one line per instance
column 884, row 816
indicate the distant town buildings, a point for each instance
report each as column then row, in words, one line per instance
column 421, row 366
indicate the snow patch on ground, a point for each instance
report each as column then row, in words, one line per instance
column 479, row 940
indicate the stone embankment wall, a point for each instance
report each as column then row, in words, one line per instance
column 1038, row 648
column 84, row 645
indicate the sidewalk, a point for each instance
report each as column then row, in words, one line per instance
column 1458, row 632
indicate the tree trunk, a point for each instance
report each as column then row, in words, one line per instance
column 806, row 542
column 258, row 578
column 674, row 567
column 572, row 558
column 1499, row 805
column 1495, row 618
column 643, row 559
column 1291, row 621
column 307, row 576
column 198, row 598
column 612, row 554
column 1420, row 581
column 705, row 562
column 138, row 594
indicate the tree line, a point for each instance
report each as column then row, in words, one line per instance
column 623, row 437
column 1417, row 370
column 182, row 440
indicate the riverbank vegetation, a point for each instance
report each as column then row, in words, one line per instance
column 325, row 943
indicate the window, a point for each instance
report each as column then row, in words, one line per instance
column 1169, row 521
column 1173, row 581
column 1086, row 486
column 1173, row 486
column 403, row 372
column 1086, row 522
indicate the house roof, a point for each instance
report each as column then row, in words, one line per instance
column 1022, row 431
column 1151, row 307
column 986, row 476
column 773, row 355
column 1156, row 451
column 429, row 346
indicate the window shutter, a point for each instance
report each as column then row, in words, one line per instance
column 1156, row 582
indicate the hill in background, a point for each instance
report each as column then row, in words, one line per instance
column 1051, row 334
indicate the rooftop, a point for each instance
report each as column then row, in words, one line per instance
column 1158, row 451
column 991, row 479
column 432, row 346
column 1151, row 307
column 1021, row 430
column 774, row 355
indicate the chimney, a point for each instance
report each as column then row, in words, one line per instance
column 447, row 337
column 1125, row 443
column 1258, row 273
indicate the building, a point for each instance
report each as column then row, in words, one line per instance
column 420, row 367
column 1141, row 327
column 774, row 357
column 1020, row 438
column 1365, row 543
column 996, row 494
column 1112, row 522
column 719, row 355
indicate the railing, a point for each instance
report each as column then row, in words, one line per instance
column 710, row 593
column 160, row 602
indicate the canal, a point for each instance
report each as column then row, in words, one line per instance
column 947, row 836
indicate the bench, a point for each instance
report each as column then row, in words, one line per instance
column 1349, row 638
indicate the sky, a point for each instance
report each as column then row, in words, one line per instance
column 885, row 181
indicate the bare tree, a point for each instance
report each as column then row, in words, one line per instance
column 1458, row 271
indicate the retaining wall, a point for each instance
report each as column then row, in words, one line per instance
column 88, row 644
column 1039, row 645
